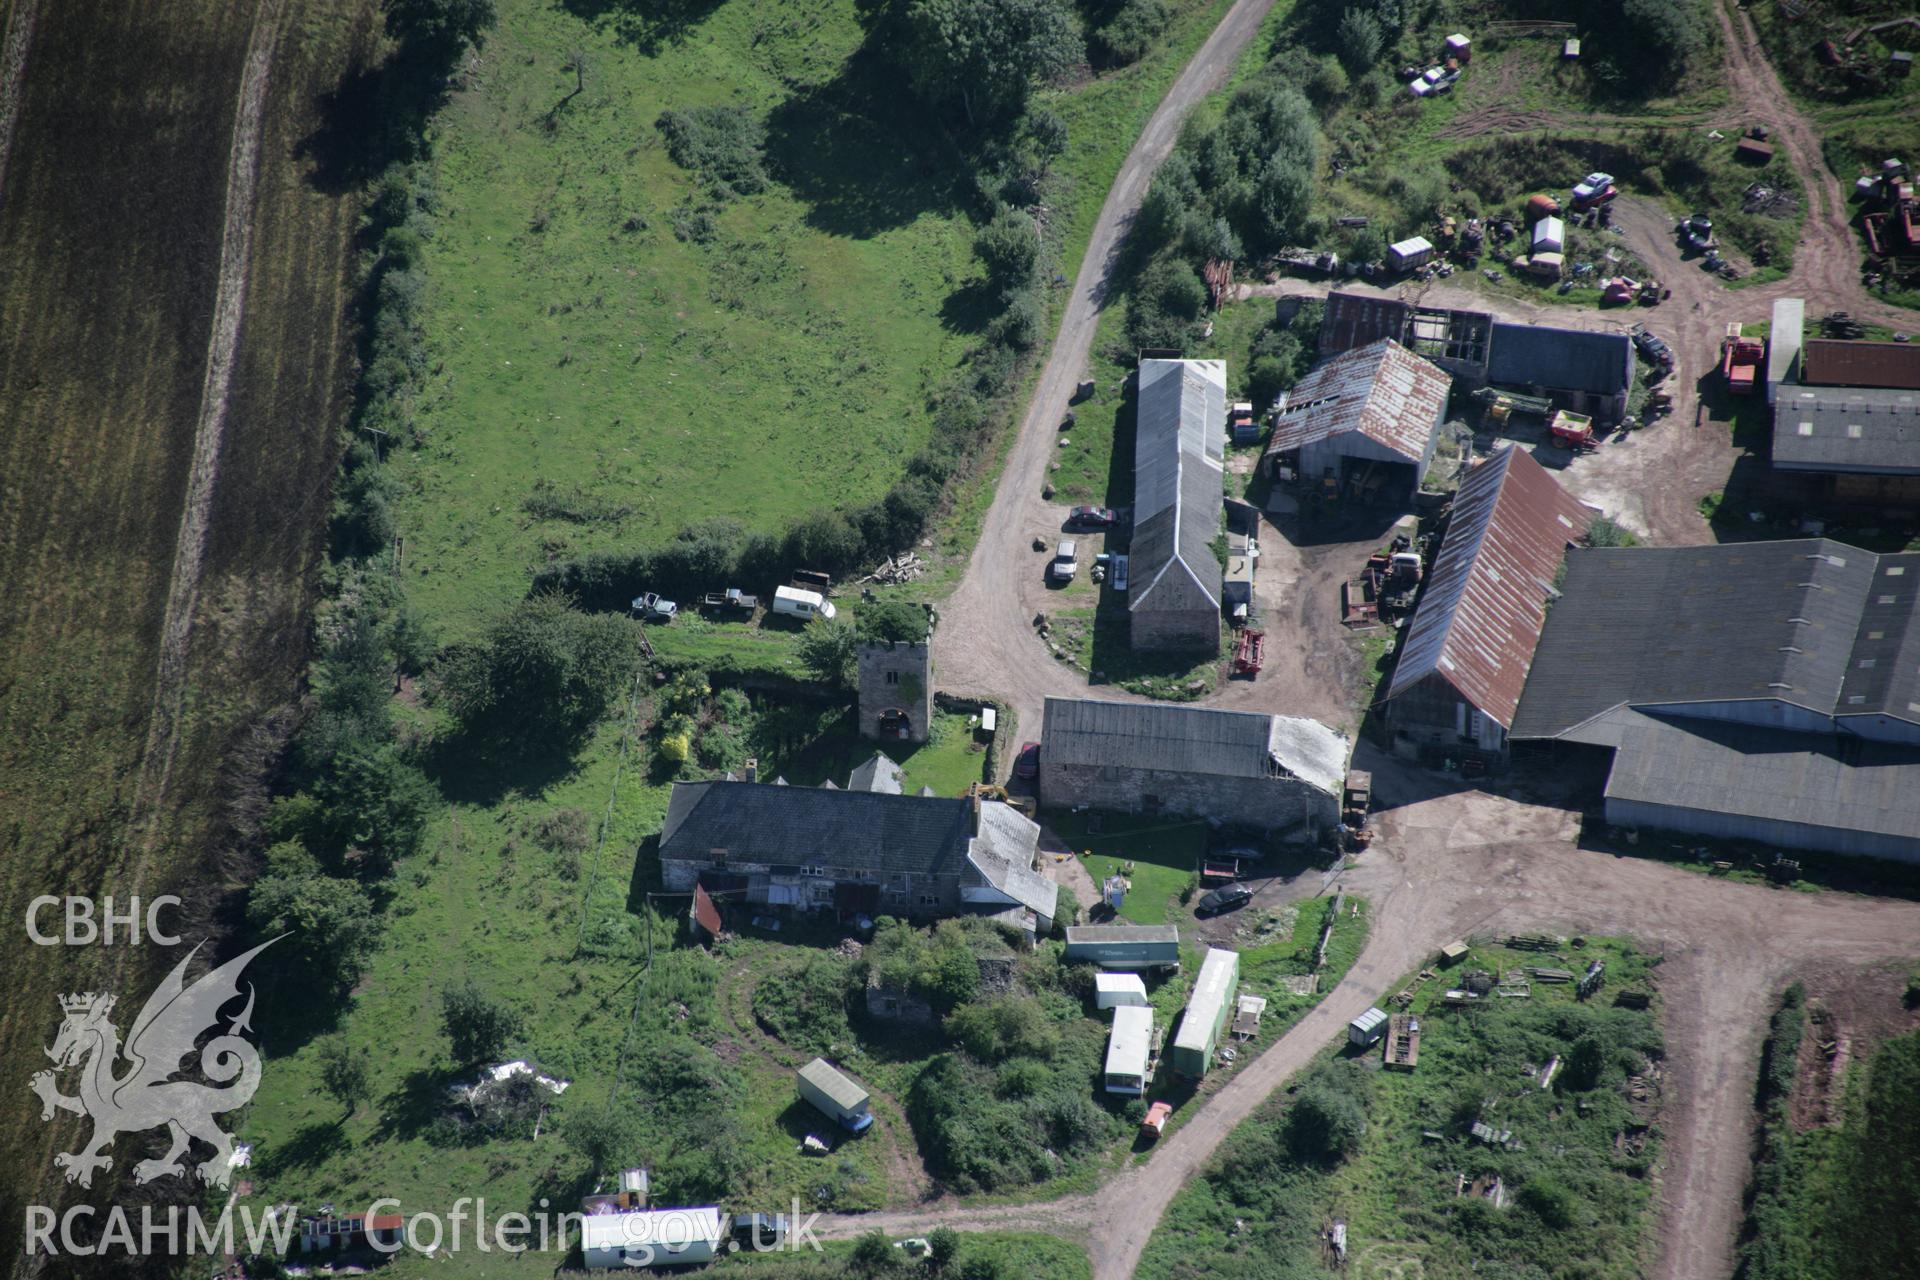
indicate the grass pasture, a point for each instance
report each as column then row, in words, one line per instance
column 108, row 289
column 1576, row 1193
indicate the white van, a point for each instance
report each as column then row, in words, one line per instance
column 796, row 603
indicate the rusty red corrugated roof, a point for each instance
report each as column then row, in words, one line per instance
column 705, row 914
column 1834, row 362
column 1382, row 390
column 1485, row 602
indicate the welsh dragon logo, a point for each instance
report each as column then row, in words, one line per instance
column 145, row 1095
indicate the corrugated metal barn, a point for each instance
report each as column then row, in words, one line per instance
column 1464, row 658
column 1377, row 406
column 1173, row 597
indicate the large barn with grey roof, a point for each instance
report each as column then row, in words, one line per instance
column 1179, row 450
column 1763, row 691
column 1465, row 655
column 1279, row 773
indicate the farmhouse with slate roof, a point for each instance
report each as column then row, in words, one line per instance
column 867, row 849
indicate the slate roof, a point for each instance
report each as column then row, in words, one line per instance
column 1821, row 780
column 1178, row 456
column 876, row 774
column 1485, row 600
column 1381, row 390
column 1846, row 363
column 1847, row 429
column 860, row 830
column 1179, row 739
column 812, row 826
column 1650, row 626
column 1562, row 359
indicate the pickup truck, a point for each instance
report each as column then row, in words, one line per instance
column 653, row 607
column 732, row 599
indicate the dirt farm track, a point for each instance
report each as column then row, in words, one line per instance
column 174, row 358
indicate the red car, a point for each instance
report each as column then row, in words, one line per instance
column 1091, row 517
column 1156, row 1121
column 1027, row 763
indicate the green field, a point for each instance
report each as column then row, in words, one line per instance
column 1576, row 1191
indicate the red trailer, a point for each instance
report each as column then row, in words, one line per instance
column 1249, row 652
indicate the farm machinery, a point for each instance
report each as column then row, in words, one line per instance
column 1740, row 360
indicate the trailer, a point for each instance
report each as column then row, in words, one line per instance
column 1740, row 359
column 1249, row 652
column 1572, row 431
column 835, row 1094
column 1499, row 406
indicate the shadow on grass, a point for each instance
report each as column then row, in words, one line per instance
column 971, row 307
column 482, row 770
column 844, row 149
column 420, row 1099
column 312, row 1145
column 647, row 25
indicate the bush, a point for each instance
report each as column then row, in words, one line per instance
column 805, row 1005
column 1165, row 305
column 1360, row 39
column 1325, row 1123
column 331, row 921
column 1549, row 1201
column 724, row 145
column 1005, row 1027
column 1008, row 246
column 1127, row 36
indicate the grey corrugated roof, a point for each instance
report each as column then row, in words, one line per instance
column 1653, row 625
column 1821, row 780
column 1003, row 855
column 1382, row 390
column 1883, row 671
column 1178, row 450
column 1484, row 603
column 1204, row 740
column 1564, row 359
column 1847, row 429
column 798, row 826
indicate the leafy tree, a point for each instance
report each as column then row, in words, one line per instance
column 374, row 806
column 943, row 1246
column 543, row 672
column 1602, row 532
column 826, row 650
column 1008, row 247
column 331, row 921
column 477, row 1026
column 1360, row 39
column 343, row 1073
column 439, row 29
column 1662, row 37
column 987, row 54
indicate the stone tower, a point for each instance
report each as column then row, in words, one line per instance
column 896, row 689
